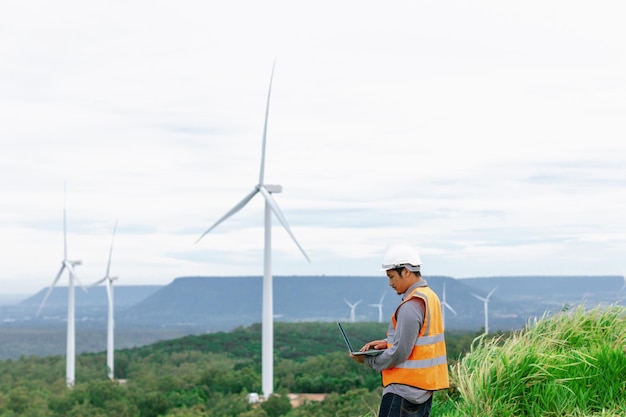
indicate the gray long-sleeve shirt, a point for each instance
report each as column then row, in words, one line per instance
column 408, row 324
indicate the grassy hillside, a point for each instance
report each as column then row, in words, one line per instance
column 572, row 364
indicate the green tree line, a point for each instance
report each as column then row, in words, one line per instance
column 205, row 375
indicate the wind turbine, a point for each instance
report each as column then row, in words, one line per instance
column 110, row 321
column 444, row 305
column 266, row 190
column 485, row 300
column 66, row 264
column 623, row 286
column 380, row 307
column 352, row 308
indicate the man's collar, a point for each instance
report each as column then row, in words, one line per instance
column 421, row 283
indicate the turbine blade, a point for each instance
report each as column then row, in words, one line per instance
column 111, row 249
column 281, row 218
column 480, row 298
column 352, row 305
column 450, row 308
column 267, row 112
column 232, row 211
column 75, row 276
column 45, row 298
column 492, row 291
column 98, row 282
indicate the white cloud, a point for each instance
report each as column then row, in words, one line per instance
column 489, row 134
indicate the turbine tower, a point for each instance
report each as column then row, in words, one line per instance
column 266, row 190
column 66, row 264
column 108, row 279
column 444, row 305
column 485, row 300
column 352, row 308
column 380, row 307
column 623, row 286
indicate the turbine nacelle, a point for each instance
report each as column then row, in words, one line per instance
column 70, row 267
column 101, row 280
column 483, row 299
column 350, row 304
column 272, row 188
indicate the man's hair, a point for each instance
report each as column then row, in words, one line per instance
column 399, row 271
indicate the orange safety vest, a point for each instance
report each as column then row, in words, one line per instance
column 427, row 366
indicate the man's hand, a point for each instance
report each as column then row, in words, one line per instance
column 374, row 344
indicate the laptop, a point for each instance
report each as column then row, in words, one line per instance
column 371, row 352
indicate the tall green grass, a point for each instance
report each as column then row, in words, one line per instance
column 569, row 364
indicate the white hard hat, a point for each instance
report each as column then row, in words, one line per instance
column 402, row 256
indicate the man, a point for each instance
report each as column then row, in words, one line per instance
column 414, row 362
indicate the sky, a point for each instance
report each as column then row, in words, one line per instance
column 488, row 134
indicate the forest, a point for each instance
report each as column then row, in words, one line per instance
column 205, row 375
column 572, row 363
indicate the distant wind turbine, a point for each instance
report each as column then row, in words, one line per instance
column 380, row 307
column 485, row 300
column 444, row 305
column 266, row 191
column 352, row 309
column 108, row 279
column 66, row 264
column 623, row 286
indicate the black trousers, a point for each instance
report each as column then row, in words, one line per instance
column 393, row 405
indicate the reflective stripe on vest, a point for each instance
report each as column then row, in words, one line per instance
column 427, row 365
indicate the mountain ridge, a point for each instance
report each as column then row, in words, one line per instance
column 215, row 303
column 207, row 304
